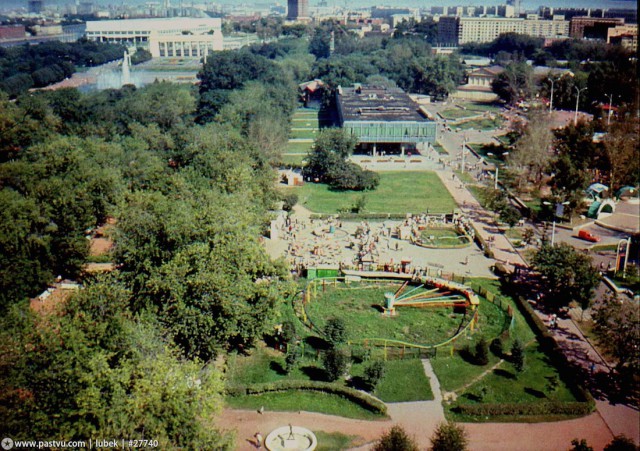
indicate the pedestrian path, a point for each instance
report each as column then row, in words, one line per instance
column 483, row 221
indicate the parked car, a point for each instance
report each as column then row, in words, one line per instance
column 588, row 236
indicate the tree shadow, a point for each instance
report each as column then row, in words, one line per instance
column 472, row 397
column 533, row 392
column 358, row 383
column 317, row 342
column 504, row 373
column 468, row 356
column 277, row 368
column 314, row 373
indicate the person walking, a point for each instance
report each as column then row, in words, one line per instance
column 258, row 438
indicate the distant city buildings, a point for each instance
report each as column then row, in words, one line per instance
column 461, row 30
column 593, row 27
column 479, row 84
column 175, row 37
column 35, row 6
column 624, row 35
column 12, row 32
column 298, row 9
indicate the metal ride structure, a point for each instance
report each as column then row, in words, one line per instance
column 415, row 291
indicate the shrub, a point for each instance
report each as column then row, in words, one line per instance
column 335, row 331
column 335, row 363
column 524, row 409
column 517, row 356
column 292, row 358
column 289, row 201
column 363, row 399
column 482, row 352
column 288, row 331
column 373, row 373
column 580, row 445
column 449, row 437
column 396, row 439
column 621, row 443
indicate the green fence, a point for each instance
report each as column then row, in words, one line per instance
column 388, row 349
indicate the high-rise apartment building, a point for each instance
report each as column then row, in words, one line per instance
column 298, row 9
column 593, row 27
column 486, row 29
column 35, row 6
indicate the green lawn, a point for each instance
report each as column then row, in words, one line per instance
column 398, row 192
column 457, row 113
column 336, row 441
column 478, row 106
column 465, row 177
column 359, row 306
column 296, row 160
column 404, row 381
column 311, row 401
column 444, row 238
column 306, row 122
column 484, row 150
column 298, row 147
column 306, row 133
column 538, row 382
column 481, row 124
column 441, row 150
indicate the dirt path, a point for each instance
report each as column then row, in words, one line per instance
column 483, row 436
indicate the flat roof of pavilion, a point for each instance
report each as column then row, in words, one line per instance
column 377, row 103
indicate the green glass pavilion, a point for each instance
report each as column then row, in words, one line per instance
column 384, row 120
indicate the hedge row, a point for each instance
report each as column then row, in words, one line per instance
column 363, row 399
column 533, row 409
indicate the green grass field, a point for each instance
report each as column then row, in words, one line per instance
column 298, row 147
column 296, row 160
column 306, row 133
column 441, row 150
column 311, row 401
column 359, row 305
column 479, row 106
column 335, row 441
column 458, row 113
column 444, row 238
column 398, row 192
column 404, row 381
column 481, row 124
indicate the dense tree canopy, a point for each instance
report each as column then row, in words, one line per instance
column 24, row 67
column 567, row 275
column 94, row 370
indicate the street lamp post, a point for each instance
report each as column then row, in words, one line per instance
column 559, row 207
column 551, row 101
column 575, row 117
column 464, row 144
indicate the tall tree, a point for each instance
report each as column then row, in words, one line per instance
column 568, row 275
column 532, row 152
column 617, row 324
column 515, row 83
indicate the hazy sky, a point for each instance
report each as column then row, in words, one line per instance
column 528, row 4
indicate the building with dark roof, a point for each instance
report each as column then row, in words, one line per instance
column 384, row 119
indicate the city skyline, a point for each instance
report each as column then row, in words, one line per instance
column 527, row 5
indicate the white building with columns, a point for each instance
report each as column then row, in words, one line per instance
column 182, row 37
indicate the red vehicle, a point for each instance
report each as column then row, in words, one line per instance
column 588, row 236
